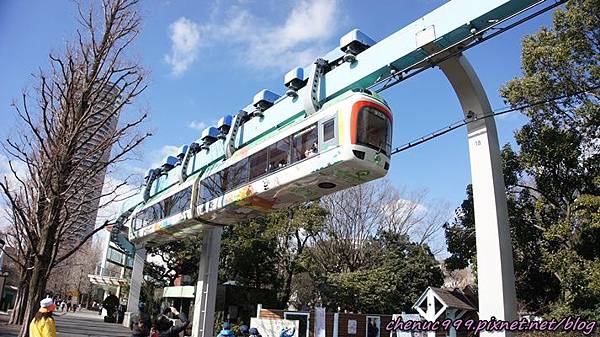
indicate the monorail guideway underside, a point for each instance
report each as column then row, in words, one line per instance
column 326, row 134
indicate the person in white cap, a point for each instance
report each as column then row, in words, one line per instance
column 43, row 324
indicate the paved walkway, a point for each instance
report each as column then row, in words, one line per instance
column 77, row 324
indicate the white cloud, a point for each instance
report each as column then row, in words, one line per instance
column 297, row 41
column 197, row 125
column 115, row 192
column 416, row 207
column 185, row 39
column 5, row 171
column 159, row 156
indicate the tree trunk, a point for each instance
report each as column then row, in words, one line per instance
column 18, row 313
column 287, row 287
column 16, row 317
column 36, row 292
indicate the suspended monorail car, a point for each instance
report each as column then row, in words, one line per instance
column 275, row 153
column 346, row 143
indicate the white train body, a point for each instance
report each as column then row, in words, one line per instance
column 346, row 143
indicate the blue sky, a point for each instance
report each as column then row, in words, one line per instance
column 208, row 58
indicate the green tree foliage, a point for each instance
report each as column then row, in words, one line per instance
column 293, row 228
column 180, row 257
column 460, row 235
column 552, row 181
column 393, row 285
column 535, row 286
column 248, row 256
column 268, row 252
column 278, row 252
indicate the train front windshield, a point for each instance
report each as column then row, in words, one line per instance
column 374, row 129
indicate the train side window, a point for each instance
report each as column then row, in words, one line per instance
column 305, row 143
column 279, row 154
column 238, row 174
column 223, row 180
column 210, row 187
column 203, row 192
column 181, row 201
column 156, row 212
column 258, row 164
column 177, row 203
column 328, row 130
column 166, row 207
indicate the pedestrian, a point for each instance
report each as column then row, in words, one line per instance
column 254, row 332
column 244, row 331
column 43, row 324
column 110, row 303
column 226, row 332
column 140, row 322
column 163, row 326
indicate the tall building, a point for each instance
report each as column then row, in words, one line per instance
column 99, row 130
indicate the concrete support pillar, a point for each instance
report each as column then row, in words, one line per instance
column 206, row 288
column 135, row 285
column 495, row 273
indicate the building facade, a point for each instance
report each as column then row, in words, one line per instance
column 99, row 131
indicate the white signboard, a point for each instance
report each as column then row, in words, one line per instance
column 352, row 327
column 274, row 327
column 320, row 322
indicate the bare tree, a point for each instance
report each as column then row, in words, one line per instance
column 69, row 139
column 356, row 217
column 18, row 254
column 72, row 274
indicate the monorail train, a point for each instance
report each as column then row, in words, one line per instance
column 346, row 143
